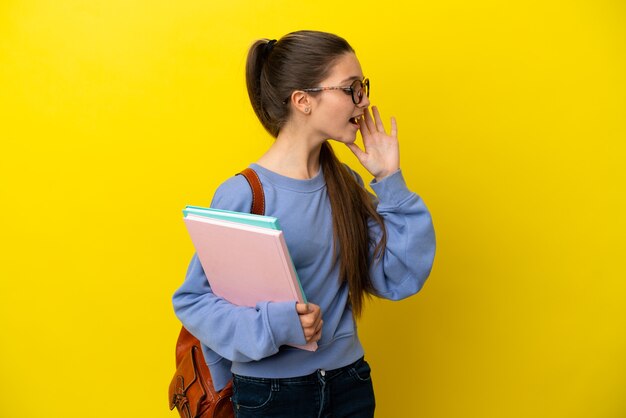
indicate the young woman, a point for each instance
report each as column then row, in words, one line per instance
column 308, row 88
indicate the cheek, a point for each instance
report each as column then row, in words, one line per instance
column 337, row 104
column 333, row 116
column 334, row 113
column 341, row 114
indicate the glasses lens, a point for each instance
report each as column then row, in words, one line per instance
column 358, row 89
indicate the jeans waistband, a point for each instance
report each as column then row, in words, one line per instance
column 309, row 378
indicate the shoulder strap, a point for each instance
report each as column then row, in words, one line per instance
column 258, row 197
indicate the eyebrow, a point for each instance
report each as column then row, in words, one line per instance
column 354, row 77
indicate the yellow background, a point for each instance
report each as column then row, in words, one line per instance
column 114, row 114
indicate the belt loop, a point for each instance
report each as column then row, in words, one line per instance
column 275, row 385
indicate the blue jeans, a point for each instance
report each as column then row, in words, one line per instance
column 344, row 392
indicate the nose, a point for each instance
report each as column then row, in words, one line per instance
column 365, row 102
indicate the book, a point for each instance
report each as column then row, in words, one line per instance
column 228, row 215
column 241, row 217
column 244, row 263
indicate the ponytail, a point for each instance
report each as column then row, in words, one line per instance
column 352, row 207
column 257, row 56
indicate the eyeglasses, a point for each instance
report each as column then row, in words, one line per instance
column 357, row 89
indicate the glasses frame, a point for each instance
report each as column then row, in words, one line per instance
column 365, row 85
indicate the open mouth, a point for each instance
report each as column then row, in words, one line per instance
column 354, row 120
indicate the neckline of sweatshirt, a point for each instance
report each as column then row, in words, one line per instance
column 311, row 185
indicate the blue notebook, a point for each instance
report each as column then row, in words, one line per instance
column 239, row 217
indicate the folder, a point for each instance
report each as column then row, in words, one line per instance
column 245, row 263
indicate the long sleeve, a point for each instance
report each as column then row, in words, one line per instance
column 234, row 332
column 408, row 258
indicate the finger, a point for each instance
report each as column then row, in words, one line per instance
column 394, row 127
column 369, row 121
column 316, row 337
column 319, row 327
column 302, row 308
column 307, row 323
column 317, row 316
column 363, row 126
column 313, row 330
column 315, row 323
column 309, row 333
column 379, row 122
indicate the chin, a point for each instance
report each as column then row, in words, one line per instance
column 347, row 139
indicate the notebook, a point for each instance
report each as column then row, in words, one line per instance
column 244, row 263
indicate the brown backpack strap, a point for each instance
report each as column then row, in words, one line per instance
column 258, row 197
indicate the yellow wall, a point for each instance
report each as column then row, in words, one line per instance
column 114, row 114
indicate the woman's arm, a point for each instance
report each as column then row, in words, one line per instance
column 234, row 332
column 408, row 257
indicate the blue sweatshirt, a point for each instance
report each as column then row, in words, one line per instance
column 252, row 341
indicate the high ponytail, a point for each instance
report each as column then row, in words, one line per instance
column 257, row 56
column 275, row 69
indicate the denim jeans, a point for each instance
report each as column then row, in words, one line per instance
column 344, row 392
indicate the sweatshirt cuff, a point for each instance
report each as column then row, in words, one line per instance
column 392, row 190
column 284, row 323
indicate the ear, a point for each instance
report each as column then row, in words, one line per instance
column 301, row 102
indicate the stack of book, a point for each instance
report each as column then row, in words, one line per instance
column 244, row 257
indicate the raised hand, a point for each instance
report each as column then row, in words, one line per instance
column 381, row 154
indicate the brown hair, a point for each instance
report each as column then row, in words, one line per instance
column 274, row 70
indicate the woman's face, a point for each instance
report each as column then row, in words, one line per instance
column 333, row 113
